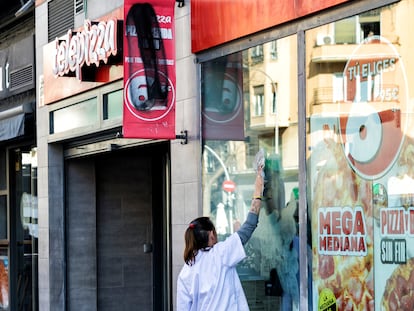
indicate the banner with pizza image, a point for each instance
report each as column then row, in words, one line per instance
column 149, row 69
column 393, row 198
column 362, row 188
column 341, row 225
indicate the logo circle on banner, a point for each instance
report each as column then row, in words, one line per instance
column 373, row 115
column 231, row 97
column 136, row 92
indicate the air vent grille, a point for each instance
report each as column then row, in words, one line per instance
column 79, row 6
column 60, row 18
column 21, row 77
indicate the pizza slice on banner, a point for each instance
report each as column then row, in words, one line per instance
column 342, row 233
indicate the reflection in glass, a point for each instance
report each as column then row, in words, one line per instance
column 249, row 103
column 112, row 105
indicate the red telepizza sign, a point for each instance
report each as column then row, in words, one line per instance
column 92, row 45
column 149, row 70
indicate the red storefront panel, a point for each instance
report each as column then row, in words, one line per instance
column 214, row 22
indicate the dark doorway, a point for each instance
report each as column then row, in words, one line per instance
column 129, row 199
column 22, row 263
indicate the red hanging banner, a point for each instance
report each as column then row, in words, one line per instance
column 223, row 113
column 149, row 69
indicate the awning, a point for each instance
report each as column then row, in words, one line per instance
column 12, row 121
column 12, row 127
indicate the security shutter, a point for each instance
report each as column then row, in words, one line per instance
column 60, row 18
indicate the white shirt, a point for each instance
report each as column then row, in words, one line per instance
column 212, row 282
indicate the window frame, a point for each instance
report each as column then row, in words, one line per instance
column 101, row 124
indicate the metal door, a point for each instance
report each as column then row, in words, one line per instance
column 23, row 253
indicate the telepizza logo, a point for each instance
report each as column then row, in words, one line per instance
column 373, row 114
column 94, row 44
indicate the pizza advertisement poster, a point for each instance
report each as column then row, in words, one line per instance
column 4, row 282
column 393, row 205
column 341, row 224
column 361, row 165
column 149, row 69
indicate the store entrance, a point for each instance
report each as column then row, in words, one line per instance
column 124, row 232
column 117, row 230
column 23, row 254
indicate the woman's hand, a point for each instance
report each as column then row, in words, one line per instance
column 258, row 192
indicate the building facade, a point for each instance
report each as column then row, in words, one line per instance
column 18, row 172
column 98, row 250
column 93, row 219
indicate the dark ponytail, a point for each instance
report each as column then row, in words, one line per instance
column 196, row 238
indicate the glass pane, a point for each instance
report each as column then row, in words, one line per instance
column 3, row 171
column 28, row 195
column 240, row 117
column 79, row 115
column 113, row 105
column 3, row 218
column 360, row 160
column 25, row 229
column 346, row 31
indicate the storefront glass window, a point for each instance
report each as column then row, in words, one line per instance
column 24, row 258
column 360, row 159
column 75, row 116
column 242, row 113
column 112, row 105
